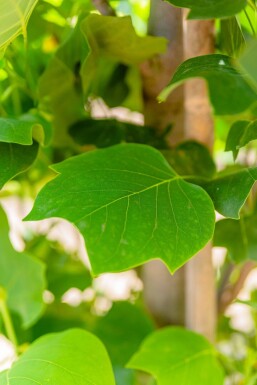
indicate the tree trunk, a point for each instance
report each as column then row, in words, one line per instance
column 200, row 280
column 164, row 294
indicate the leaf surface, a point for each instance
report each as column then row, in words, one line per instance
column 15, row 159
column 14, row 16
column 22, row 277
column 230, row 190
column 202, row 9
column 71, row 357
column 130, row 206
column 240, row 134
column 176, row 356
column 229, row 91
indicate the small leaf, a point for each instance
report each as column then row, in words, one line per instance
column 20, row 131
column 130, row 206
column 202, row 9
column 22, row 277
column 230, row 190
column 238, row 237
column 14, row 18
column 229, row 91
column 71, row 357
column 176, row 356
column 15, row 159
column 240, row 134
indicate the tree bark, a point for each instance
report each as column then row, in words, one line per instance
column 200, row 280
column 164, row 294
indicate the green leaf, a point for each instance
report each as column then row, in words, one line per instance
column 108, row 132
column 232, row 40
column 247, row 63
column 72, row 357
column 229, row 91
column 22, row 277
column 15, row 159
column 130, row 206
column 123, row 320
column 238, row 237
column 202, row 9
column 176, row 356
column 229, row 190
column 14, row 18
column 114, row 40
column 20, row 131
column 191, row 158
column 240, row 134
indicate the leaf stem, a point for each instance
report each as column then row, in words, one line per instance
column 4, row 312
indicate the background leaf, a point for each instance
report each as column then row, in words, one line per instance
column 201, row 9
column 229, row 91
column 14, row 17
column 240, row 134
column 22, row 277
column 126, row 202
column 15, row 159
column 72, row 357
column 175, row 355
column 229, row 190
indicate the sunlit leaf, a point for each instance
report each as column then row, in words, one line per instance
column 72, row 357
column 127, row 202
column 22, row 277
column 202, row 9
column 240, row 134
column 232, row 40
column 14, row 16
column 229, row 91
column 176, row 356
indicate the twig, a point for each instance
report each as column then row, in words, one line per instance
column 104, row 7
column 231, row 291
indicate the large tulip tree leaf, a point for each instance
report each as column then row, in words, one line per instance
column 14, row 16
column 130, row 206
column 229, row 190
column 240, row 134
column 22, row 277
column 210, row 9
column 178, row 356
column 229, row 91
column 71, row 357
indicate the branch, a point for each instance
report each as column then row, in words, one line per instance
column 104, row 7
column 231, row 291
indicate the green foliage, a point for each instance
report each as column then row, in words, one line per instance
column 229, row 90
column 15, row 269
column 174, row 355
column 241, row 133
column 132, row 193
column 14, row 18
column 63, row 358
column 201, row 9
column 134, row 202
